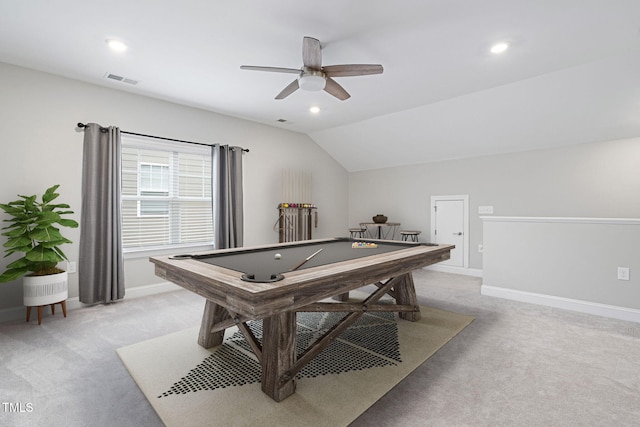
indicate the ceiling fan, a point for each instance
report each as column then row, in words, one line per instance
column 313, row 76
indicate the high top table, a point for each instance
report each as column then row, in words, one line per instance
column 391, row 229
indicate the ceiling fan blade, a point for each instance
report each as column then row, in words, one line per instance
column 292, row 87
column 311, row 54
column 352, row 70
column 271, row 69
column 336, row 90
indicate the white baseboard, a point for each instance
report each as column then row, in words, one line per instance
column 14, row 313
column 455, row 270
column 156, row 288
column 615, row 312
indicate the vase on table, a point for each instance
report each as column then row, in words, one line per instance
column 379, row 219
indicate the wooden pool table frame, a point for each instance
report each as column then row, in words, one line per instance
column 231, row 301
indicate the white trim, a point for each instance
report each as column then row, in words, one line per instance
column 465, row 200
column 156, row 288
column 149, row 143
column 616, row 312
column 15, row 313
column 619, row 221
column 455, row 270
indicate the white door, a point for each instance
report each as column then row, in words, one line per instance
column 449, row 226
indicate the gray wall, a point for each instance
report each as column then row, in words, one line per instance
column 38, row 114
column 588, row 180
column 574, row 258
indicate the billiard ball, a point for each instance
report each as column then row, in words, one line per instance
column 277, row 256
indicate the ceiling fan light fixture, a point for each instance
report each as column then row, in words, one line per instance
column 313, row 81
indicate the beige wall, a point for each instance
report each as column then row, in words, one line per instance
column 41, row 147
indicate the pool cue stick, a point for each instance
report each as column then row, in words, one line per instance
column 308, row 258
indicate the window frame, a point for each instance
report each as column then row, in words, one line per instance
column 175, row 149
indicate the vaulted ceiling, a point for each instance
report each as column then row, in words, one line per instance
column 571, row 74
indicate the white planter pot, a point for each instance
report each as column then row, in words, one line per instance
column 44, row 290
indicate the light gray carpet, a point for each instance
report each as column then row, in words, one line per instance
column 515, row 365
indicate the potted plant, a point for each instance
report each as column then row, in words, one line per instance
column 32, row 231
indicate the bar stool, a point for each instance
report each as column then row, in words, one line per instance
column 357, row 232
column 410, row 235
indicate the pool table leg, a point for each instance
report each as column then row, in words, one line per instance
column 406, row 295
column 213, row 314
column 278, row 355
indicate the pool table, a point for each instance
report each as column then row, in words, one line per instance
column 274, row 282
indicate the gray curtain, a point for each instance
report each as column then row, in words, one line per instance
column 226, row 196
column 100, row 267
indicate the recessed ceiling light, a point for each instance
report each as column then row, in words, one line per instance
column 499, row 47
column 314, row 109
column 117, row 45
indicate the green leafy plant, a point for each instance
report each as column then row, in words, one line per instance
column 32, row 231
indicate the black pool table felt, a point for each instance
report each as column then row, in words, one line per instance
column 262, row 262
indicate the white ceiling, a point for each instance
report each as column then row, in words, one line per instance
column 571, row 75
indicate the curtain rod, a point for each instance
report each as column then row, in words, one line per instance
column 82, row 126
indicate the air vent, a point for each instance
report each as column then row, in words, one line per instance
column 121, row 79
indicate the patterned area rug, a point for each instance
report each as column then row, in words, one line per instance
column 188, row 385
column 371, row 342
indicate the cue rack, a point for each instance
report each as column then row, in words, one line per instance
column 296, row 220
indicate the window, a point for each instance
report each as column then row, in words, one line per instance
column 166, row 194
column 154, row 187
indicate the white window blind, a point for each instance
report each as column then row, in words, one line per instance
column 166, row 194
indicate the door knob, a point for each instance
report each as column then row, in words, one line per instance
column 459, row 233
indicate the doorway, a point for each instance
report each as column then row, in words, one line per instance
column 450, row 225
